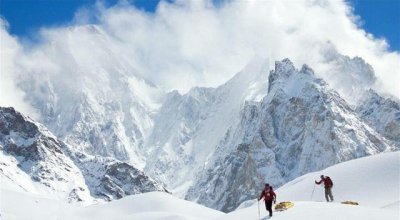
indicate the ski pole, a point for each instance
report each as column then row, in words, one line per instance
column 312, row 194
column 258, row 205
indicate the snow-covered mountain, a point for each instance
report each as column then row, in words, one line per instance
column 381, row 113
column 97, row 103
column 36, row 161
column 188, row 127
column 202, row 145
column 29, row 152
column 109, row 179
column 300, row 126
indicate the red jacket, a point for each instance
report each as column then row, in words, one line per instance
column 327, row 182
column 268, row 195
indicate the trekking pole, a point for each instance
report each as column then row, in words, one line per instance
column 312, row 194
column 258, row 205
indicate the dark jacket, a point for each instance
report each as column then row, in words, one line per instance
column 268, row 195
column 327, row 182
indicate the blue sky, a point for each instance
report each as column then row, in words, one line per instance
column 26, row 16
column 380, row 17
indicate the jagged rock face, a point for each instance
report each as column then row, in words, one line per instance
column 110, row 179
column 299, row 127
column 127, row 180
column 36, row 152
column 236, row 174
column 60, row 167
column 381, row 113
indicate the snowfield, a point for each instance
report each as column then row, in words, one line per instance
column 154, row 205
column 150, row 206
column 372, row 181
column 316, row 211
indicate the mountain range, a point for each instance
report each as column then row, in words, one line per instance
column 109, row 133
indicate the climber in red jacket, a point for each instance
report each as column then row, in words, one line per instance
column 269, row 196
column 328, row 187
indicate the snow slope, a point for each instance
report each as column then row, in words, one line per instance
column 150, row 206
column 154, row 205
column 372, row 181
column 316, row 211
column 161, row 206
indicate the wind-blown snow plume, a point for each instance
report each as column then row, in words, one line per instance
column 10, row 95
column 195, row 43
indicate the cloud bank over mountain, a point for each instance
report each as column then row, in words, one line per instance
column 193, row 43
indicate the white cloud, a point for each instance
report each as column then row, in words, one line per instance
column 10, row 95
column 189, row 43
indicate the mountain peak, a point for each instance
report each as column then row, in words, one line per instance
column 283, row 69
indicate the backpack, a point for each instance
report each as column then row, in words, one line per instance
column 329, row 181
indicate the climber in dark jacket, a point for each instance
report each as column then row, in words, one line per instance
column 269, row 196
column 328, row 187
